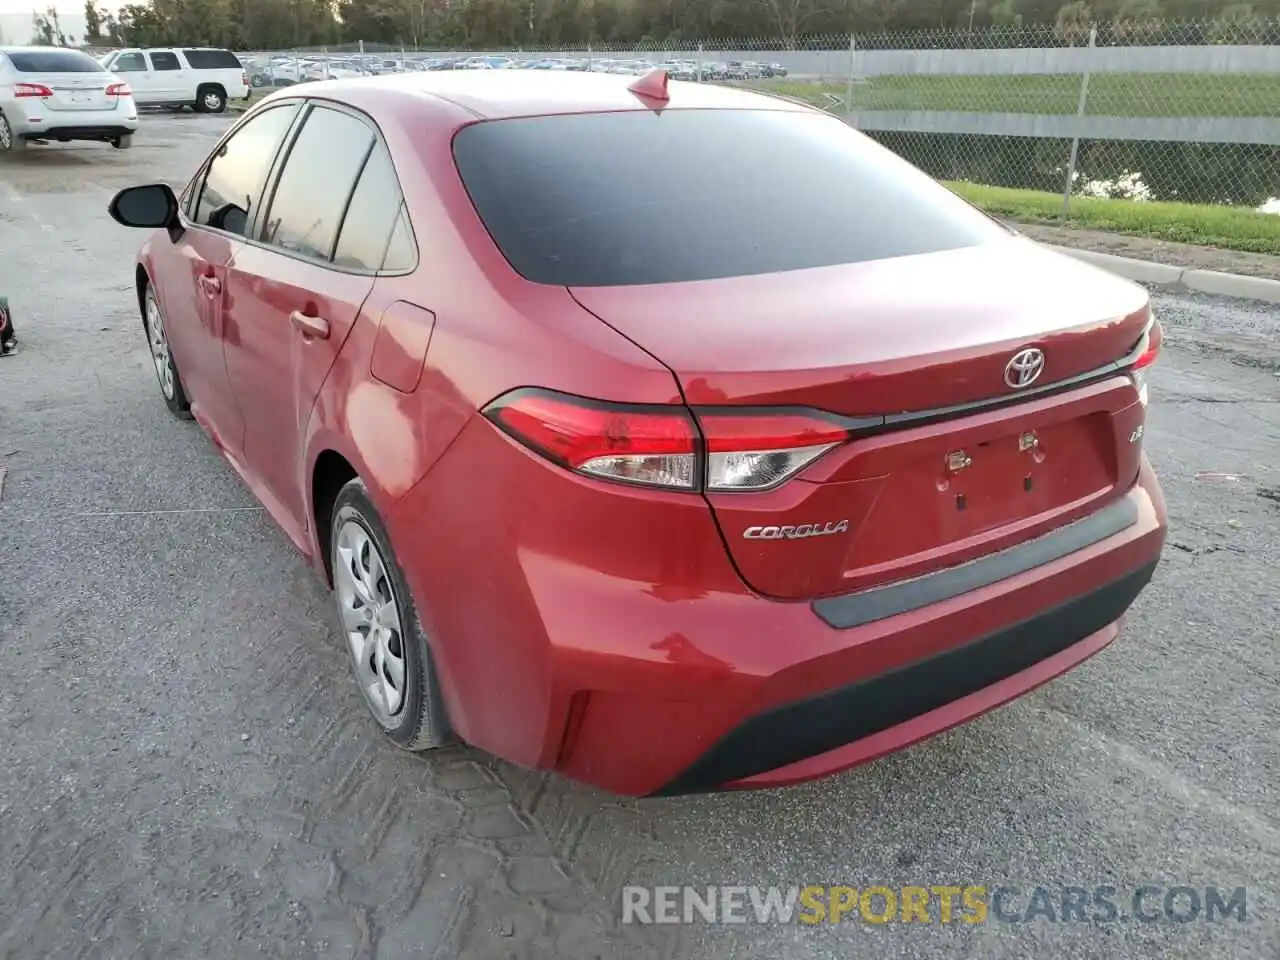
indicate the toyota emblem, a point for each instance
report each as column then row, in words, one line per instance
column 1024, row 368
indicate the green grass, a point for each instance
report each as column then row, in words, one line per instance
column 1232, row 228
column 1111, row 94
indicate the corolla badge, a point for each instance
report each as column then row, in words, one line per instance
column 1024, row 368
column 796, row 532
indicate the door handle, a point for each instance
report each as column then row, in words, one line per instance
column 308, row 326
column 211, row 285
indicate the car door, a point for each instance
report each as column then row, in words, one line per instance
column 292, row 306
column 219, row 204
column 131, row 66
column 169, row 78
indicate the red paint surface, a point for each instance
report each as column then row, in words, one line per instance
column 608, row 631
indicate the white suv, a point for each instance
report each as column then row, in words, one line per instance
column 202, row 78
column 50, row 93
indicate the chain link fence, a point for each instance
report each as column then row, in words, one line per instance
column 1144, row 110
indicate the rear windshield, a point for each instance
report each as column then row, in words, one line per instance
column 613, row 199
column 212, row 60
column 53, row 61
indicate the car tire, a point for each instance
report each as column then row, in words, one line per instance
column 123, row 143
column 175, row 397
column 9, row 142
column 381, row 628
column 210, row 99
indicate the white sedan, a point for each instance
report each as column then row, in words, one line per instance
column 53, row 93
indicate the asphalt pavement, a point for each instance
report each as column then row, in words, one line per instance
column 187, row 768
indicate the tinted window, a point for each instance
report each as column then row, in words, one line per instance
column 165, row 61
column 212, row 59
column 316, row 183
column 646, row 197
column 239, row 170
column 372, row 215
column 129, row 63
column 54, row 61
column 402, row 252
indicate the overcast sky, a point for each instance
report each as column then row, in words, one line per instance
column 15, row 20
column 27, row 7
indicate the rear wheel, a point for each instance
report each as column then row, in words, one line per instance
column 380, row 626
column 123, row 143
column 9, row 141
column 211, row 100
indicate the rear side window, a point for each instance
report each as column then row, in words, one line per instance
column 402, row 250
column 164, row 60
column 238, row 172
column 371, row 217
column 212, row 60
column 54, row 61
column 614, row 199
column 317, row 181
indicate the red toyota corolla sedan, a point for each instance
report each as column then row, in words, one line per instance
column 674, row 438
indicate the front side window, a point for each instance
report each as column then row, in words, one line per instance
column 238, row 171
column 130, row 63
column 646, row 196
column 317, row 180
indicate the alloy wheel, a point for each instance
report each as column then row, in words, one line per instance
column 6, row 134
column 371, row 621
column 159, row 342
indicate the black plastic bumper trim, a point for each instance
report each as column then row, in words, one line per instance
column 816, row 725
column 877, row 603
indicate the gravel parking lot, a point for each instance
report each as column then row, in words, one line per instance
column 188, row 769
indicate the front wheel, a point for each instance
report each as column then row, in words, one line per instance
column 389, row 651
column 175, row 398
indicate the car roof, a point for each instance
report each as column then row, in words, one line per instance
column 497, row 94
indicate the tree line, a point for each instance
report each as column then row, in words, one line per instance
column 512, row 24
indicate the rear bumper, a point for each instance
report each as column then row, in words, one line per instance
column 854, row 723
column 605, row 634
column 97, row 132
column 33, row 120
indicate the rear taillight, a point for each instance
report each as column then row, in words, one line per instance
column 36, row 91
column 119, row 90
column 1147, row 351
column 756, row 452
column 244, row 78
column 651, row 446
column 663, row 446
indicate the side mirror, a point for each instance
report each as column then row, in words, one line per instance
column 150, row 205
column 231, row 218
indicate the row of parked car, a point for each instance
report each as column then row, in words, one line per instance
column 283, row 70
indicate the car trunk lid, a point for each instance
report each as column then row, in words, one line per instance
column 79, row 91
column 948, row 458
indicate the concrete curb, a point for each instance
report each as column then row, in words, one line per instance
column 1162, row 275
